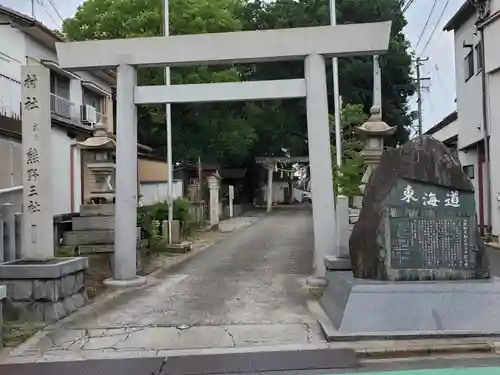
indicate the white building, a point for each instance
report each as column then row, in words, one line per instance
column 78, row 100
column 465, row 129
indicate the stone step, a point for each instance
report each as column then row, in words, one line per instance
column 84, row 250
column 97, row 210
column 93, row 223
column 93, row 237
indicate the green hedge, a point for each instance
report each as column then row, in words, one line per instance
column 150, row 218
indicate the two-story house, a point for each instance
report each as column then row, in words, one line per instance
column 467, row 129
column 78, row 101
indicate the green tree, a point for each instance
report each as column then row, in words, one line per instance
column 352, row 168
column 233, row 133
column 215, row 132
column 355, row 73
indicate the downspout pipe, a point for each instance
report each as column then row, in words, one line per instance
column 484, row 104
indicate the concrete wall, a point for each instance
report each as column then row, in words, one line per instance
column 154, row 192
column 468, row 92
column 278, row 191
column 449, row 131
column 494, row 121
column 152, row 170
column 62, row 194
column 12, row 48
column 10, row 163
column 12, row 56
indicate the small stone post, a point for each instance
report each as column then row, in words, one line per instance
column 270, row 171
column 373, row 130
column 231, row 200
column 213, row 184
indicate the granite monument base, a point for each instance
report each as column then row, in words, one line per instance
column 43, row 291
column 369, row 309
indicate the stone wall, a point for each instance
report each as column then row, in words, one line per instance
column 44, row 300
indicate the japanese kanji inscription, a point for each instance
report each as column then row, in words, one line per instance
column 37, row 193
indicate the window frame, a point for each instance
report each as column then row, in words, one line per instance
column 469, row 170
column 478, row 52
column 469, row 65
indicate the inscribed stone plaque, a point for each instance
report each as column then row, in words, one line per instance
column 431, row 227
column 38, row 240
column 418, row 220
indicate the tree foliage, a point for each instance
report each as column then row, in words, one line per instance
column 347, row 178
column 231, row 133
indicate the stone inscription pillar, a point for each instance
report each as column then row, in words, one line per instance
column 38, row 235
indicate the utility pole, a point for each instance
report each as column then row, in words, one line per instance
column 336, row 93
column 420, row 79
column 170, row 202
column 32, row 8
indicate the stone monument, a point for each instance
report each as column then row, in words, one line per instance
column 417, row 257
column 40, row 286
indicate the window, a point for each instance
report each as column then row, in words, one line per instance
column 92, row 99
column 479, row 59
column 469, row 65
column 469, row 171
column 59, row 85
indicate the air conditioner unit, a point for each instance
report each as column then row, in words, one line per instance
column 89, row 115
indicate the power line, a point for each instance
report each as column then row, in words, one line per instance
column 51, row 2
column 426, row 24
column 40, row 2
column 440, row 80
column 435, row 26
column 408, row 4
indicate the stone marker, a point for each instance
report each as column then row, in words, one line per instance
column 418, row 220
column 419, row 264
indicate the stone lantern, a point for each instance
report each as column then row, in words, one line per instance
column 373, row 130
column 102, row 165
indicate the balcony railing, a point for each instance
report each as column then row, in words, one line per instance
column 61, row 106
column 10, row 97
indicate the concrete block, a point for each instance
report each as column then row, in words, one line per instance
column 93, row 223
column 410, row 309
column 54, row 311
column 94, row 237
column 21, row 290
column 79, row 299
column 69, row 304
column 67, row 284
column 58, row 267
column 46, row 290
column 79, row 282
column 97, row 210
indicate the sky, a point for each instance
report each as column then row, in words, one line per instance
column 438, row 100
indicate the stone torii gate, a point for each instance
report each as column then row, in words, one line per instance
column 269, row 163
column 312, row 44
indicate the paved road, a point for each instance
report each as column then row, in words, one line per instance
column 247, row 290
column 252, row 277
